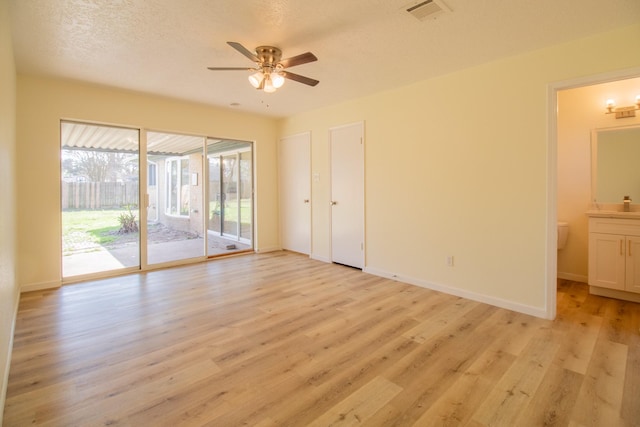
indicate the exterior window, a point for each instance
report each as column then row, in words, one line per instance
column 177, row 187
column 152, row 175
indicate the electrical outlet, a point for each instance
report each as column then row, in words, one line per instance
column 450, row 260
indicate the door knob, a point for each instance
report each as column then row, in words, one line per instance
column 306, row 200
column 333, row 203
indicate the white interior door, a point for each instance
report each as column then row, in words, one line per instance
column 295, row 193
column 347, row 195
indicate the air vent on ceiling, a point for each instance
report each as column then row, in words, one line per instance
column 428, row 9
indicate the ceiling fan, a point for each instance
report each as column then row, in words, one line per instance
column 270, row 68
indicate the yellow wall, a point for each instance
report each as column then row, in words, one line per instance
column 458, row 165
column 9, row 290
column 455, row 165
column 580, row 110
column 42, row 102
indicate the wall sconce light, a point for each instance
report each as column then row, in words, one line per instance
column 622, row 112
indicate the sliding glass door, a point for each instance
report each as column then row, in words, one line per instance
column 245, row 181
column 175, row 223
column 230, row 217
column 230, row 187
column 195, row 205
column 99, row 199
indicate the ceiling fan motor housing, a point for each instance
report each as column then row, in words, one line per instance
column 269, row 56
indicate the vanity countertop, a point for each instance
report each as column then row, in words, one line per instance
column 595, row 213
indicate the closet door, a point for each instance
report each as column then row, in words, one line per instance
column 347, row 194
column 295, row 193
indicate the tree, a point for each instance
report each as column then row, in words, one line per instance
column 98, row 166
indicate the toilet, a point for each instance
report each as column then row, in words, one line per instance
column 563, row 233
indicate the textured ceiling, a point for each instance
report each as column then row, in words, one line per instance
column 363, row 46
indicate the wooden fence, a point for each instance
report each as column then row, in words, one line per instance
column 99, row 195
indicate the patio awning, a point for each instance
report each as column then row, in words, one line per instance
column 82, row 136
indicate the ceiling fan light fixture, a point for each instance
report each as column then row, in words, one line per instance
column 268, row 85
column 256, row 79
column 277, row 80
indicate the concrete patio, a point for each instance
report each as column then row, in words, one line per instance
column 157, row 253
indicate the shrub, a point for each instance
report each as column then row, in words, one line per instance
column 128, row 223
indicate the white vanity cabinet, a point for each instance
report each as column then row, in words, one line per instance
column 614, row 253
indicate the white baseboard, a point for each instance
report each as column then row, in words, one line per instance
column 320, row 258
column 498, row 302
column 40, row 286
column 265, row 250
column 573, row 277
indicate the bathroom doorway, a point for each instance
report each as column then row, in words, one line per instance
column 576, row 108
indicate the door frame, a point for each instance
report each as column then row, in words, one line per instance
column 552, row 172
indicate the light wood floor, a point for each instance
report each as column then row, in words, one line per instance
column 279, row 339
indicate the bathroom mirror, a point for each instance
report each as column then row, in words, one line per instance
column 615, row 164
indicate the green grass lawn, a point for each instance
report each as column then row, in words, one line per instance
column 87, row 230
column 231, row 209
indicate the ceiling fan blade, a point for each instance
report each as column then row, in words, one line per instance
column 298, row 78
column 243, row 50
column 303, row 58
column 230, row 68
